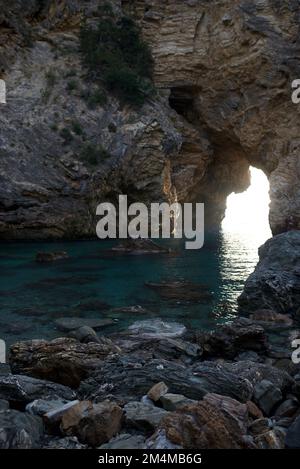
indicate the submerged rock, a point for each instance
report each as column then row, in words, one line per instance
column 63, row 360
column 19, row 430
column 157, row 329
column 181, row 291
column 18, row 388
column 43, row 257
column 139, row 246
column 275, row 283
column 71, row 324
column 85, row 334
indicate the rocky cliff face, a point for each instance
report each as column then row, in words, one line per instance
column 223, row 71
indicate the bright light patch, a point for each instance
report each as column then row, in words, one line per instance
column 249, row 212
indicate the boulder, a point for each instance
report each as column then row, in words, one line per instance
column 20, row 430
column 273, row 439
column 130, row 377
column 42, row 406
column 270, row 319
column 93, row 424
column 4, row 405
column 233, row 338
column 178, row 349
column 143, row 417
column 63, row 360
column 275, row 283
column 208, row 425
column 19, row 388
column 267, row 396
column 44, row 257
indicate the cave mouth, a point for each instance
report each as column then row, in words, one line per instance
column 247, row 213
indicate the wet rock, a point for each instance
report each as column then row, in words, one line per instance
column 139, row 246
column 69, row 442
column 275, row 283
column 171, row 402
column 267, row 396
column 4, row 405
column 207, row 425
column 157, row 391
column 71, row 324
column 143, row 417
column 19, row 388
column 231, row 339
column 293, row 435
column 44, row 257
column 93, row 424
column 63, row 360
column 156, row 329
column 130, row 379
column 125, row 441
column 181, row 291
column 85, row 334
column 287, row 409
column 19, row 430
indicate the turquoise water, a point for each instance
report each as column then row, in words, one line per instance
column 93, row 281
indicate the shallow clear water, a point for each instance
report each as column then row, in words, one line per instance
column 32, row 295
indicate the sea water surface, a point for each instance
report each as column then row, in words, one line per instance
column 93, row 281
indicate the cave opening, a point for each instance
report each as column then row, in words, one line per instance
column 247, row 213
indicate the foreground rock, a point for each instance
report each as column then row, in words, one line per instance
column 143, row 417
column 64, row 361
column 293, row 435
column 19, row 430
column 93, row 424
column 275, row 283
column 125, row 441
column 128, row 378
column 216, row 422
column 19, row 388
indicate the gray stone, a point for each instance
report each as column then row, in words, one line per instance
column 287, row 409
column 267, row 396
column 4, row 405
column 171, row 401
column 19, row 430
column 143, row 417
column 41, row 406
column 125, row 441
column 69, row 442
column 19, row 388
column 85, row 334
column 293, row 435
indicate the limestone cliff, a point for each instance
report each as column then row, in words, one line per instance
column 223, row 71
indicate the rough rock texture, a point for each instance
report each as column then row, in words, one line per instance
column 18, row 388
column 19, row 430
column 275, row 283
column 128, row 379
column 224, row 73
column 64, row 361
column 229, row 67
column 93, row 424
column 214, row 423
